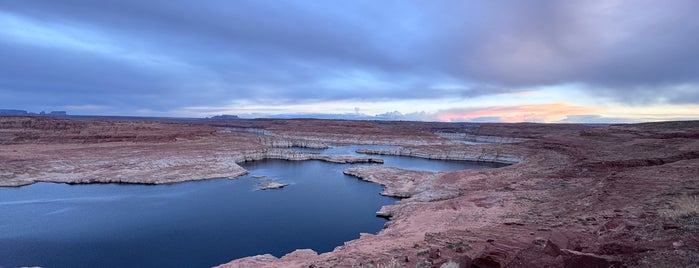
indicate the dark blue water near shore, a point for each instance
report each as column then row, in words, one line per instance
column 194, row 224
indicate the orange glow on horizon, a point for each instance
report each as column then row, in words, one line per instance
column 511, row 114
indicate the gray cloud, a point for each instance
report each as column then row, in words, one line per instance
column 165, row 55
column 618, row 48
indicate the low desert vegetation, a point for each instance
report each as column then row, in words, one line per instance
column 393, row 263
column 685, row 211
column 450, row 264
column 683, row 206
column 396, row 264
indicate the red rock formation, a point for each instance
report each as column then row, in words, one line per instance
column 580, row 196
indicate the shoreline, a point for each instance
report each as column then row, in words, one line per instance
column 237, row 171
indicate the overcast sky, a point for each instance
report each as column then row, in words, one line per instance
column 549, row 61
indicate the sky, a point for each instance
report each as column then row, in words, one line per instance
column 596, row 61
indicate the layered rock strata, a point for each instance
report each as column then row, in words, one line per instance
column 577, row 196
column 465, row 153
column 293, row 142
column 151, row 168
column 478, row 138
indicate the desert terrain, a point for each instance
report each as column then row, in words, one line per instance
column 573, row 196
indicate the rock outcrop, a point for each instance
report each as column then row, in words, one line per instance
column 471, row 138
column 479, row 154
column 291, row 155
column 289, row 142
column 152, row 168
column 37, row 149
column 575, row 195
column 397, row 182
column 271, row 185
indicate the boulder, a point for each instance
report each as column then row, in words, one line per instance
column 271, row 185
column 490, row 259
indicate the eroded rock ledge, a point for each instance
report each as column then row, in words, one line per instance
column 397, row 182
column 470, row 153
column 297, row 156
column 271, row 185
column 288, row 142
column 579, row 197
column 148, row 168
column 466, row 137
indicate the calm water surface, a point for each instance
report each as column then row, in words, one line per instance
column 195, row 224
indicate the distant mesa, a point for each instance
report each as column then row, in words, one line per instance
column 57, row 113
column 23, row 112
column 225, row 116
column 13, row 112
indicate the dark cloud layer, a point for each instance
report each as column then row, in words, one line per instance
column 164, row 55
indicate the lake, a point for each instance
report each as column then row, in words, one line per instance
column 196, row 224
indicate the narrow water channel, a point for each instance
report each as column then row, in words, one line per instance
column 195, row 224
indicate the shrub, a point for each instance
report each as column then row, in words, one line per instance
column 393, row 263
column 684, row 206
column 449, row 264
column 686, row 212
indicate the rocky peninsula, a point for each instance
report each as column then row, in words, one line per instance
column 573, row 196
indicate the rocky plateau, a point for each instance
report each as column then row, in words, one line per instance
column 573, row 196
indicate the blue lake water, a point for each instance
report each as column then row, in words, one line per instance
column 195, row 224
column 412, row 163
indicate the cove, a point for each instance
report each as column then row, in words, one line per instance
column 195, row 224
